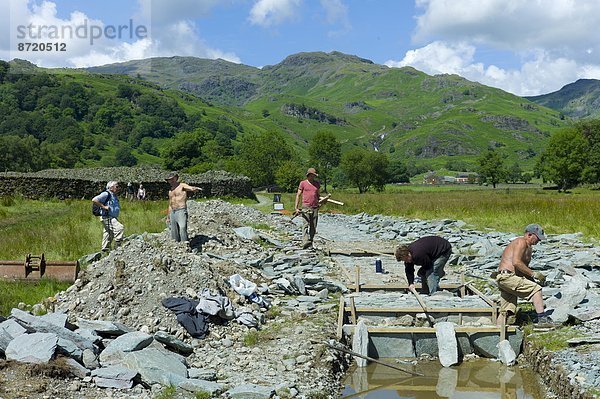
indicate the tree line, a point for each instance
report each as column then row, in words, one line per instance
column 571, row 158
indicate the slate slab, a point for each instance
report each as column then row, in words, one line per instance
column 32, row 348
column 250, row 391
column 156, row 367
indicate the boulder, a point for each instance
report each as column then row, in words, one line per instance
column 32, row 348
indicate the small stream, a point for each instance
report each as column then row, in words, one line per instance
column 473, row 379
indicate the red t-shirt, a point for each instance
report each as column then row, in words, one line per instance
column 310, row 193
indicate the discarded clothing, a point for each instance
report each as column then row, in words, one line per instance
column 215, row 305
column 244, row 316
column 185, row 310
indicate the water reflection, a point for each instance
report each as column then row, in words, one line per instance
column 477, row 379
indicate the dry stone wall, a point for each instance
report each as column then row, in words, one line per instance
column 86, row 183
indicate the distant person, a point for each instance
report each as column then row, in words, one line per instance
column 432, row 254
column 178, row 214
column 308, row 190
column 109, row 213
column 141, row 194
column 130, row 191
column 516, row 280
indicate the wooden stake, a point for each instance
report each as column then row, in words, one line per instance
column 372, row 360
column 357, row 283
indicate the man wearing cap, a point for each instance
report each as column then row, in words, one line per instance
column 516, row 280
column 308, row 190
column 178, row 215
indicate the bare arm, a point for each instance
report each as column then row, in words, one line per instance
column 187, row 187
column 298, row 194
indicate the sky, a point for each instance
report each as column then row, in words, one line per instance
column 525, row 47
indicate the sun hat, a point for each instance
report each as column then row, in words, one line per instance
column 311, row 171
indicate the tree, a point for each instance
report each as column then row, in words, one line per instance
column 491, row 167
column 365, row 169
column 288, row 176
column 260, row 155
column 124, row 157
column 325, row 152
column 514, row 173
column 590, row 129
column 565, row 159
column 398, row 172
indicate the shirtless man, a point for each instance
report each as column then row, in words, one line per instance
column 516, row 280
column 177, row 216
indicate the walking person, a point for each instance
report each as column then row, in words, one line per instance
column 308, row 191
column 516, row 279
column 177, row 215
column 109, row 206
column 432, row 254
column 130, row 191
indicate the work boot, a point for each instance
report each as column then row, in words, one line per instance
column 307, row 245
column 544, row 322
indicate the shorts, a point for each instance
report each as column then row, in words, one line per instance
column 513, row 287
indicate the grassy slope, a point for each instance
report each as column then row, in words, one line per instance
column 420, row 116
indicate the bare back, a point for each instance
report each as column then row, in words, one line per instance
column 516, row 257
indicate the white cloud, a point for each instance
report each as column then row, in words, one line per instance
column 336, row 12
column 553, row 42
column 179, row 37
column 166, row 11
column 560, row 27
column 273, row 12
column 541, row 74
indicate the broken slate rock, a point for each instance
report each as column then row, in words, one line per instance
column 129, row 342
column 114, row 377
column 194, row 385
column 156, row 367
column 250, row 391
column 171, row 342
column 32, row 348
column 103, row 327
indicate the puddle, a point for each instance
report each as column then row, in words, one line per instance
column 475, row 379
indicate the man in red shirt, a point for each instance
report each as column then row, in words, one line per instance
column 309, row 191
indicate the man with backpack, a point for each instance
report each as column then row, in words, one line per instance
column 106, row 206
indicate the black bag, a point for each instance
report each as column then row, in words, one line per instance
column 96, row 210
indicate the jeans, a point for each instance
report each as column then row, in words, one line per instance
column 178, row 224
column 434, row 275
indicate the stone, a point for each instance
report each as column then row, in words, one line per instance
column 58, row 319
column 250, row 391
column 128, row 342
column 246, row 232
column 194, row 385
column 32, row 348
column 90, row 359
column 173, row 343
column 76, row 369
column 9, row 329
column 203, row 374
column 447, row 344
column 156, row 367
column 360, row 343
column 103, row 327
column 571, row 294
column 426, row 344
column 38, row 324
column 68, row 348
column 114, row 377
column 485, row 344
column 505, row 353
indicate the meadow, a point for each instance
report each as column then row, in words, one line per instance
column 66, row 230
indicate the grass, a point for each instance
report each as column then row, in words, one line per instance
column 62, row 230
column 507, row 209
column 167, row 392
column 66, row 230
column 552, row 340
column 30, row 293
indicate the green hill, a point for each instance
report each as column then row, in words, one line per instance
column 579, row 100
column 149, row 111
column 401, row 111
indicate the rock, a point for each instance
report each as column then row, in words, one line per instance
column 447, row 345
column 156, row 367
column 360, row 343
column 194, row 385
column 203, row 374
column 128, row 342
column 77, row 369
column 103, row 327
column 114, row 377
column 250, row 391
column 173, row 343
column 9, row 329
column 32, row 348
column 571, row 295
column 506, row 354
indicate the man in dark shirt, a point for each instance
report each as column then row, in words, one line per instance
column 432, row 254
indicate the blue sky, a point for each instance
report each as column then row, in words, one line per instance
column 525, row 47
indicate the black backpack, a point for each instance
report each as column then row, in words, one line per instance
column 96, row 210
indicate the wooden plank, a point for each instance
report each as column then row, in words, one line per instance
column 357, row 281
column 399, row 286
column 502, row 328
column 420, row 310
column 462, row 283
column 341, row 312
column 353, row 310
column 431, row 330
column 480, row 294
